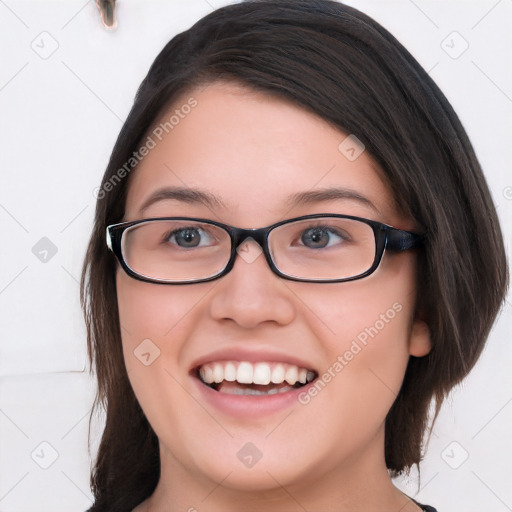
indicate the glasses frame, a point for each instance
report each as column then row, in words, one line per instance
column 386, row 237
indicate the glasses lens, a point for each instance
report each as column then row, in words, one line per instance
column 323, row 248
column 176, row 250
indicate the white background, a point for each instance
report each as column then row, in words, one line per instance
column 60, row 114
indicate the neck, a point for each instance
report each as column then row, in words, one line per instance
column 362, row 484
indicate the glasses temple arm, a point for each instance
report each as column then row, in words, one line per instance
column 399, row 240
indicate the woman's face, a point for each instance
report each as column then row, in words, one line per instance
column 253, row 152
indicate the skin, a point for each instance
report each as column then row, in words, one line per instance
column 253, row 150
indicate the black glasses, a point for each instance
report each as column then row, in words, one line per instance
column 318, row 248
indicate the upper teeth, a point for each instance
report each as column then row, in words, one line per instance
column 262, row 373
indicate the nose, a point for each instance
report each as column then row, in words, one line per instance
column 251, row 294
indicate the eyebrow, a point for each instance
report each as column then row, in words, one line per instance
column 186, row 195
column 328, row 194
column 196, row 196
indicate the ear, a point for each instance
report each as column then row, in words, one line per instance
column 420, row 343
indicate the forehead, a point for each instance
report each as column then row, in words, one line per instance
column 253, row 152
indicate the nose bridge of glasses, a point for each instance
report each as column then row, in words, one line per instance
column 240, row 235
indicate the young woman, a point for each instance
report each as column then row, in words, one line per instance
column 294, row 252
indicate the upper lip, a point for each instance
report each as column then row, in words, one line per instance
column 252, row 356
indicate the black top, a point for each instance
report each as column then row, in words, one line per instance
column 425, row 508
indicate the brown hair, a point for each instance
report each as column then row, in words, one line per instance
column 341, row 65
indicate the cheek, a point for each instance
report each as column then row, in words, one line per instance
column 374, row 313
column 365, row 331
column 154, row 321
column 149, row 310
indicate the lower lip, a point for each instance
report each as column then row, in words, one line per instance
column 250, row 406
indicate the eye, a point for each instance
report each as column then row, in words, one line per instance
column 319, row 237
column 189, row 237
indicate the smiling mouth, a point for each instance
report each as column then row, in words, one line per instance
column 246, row 378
